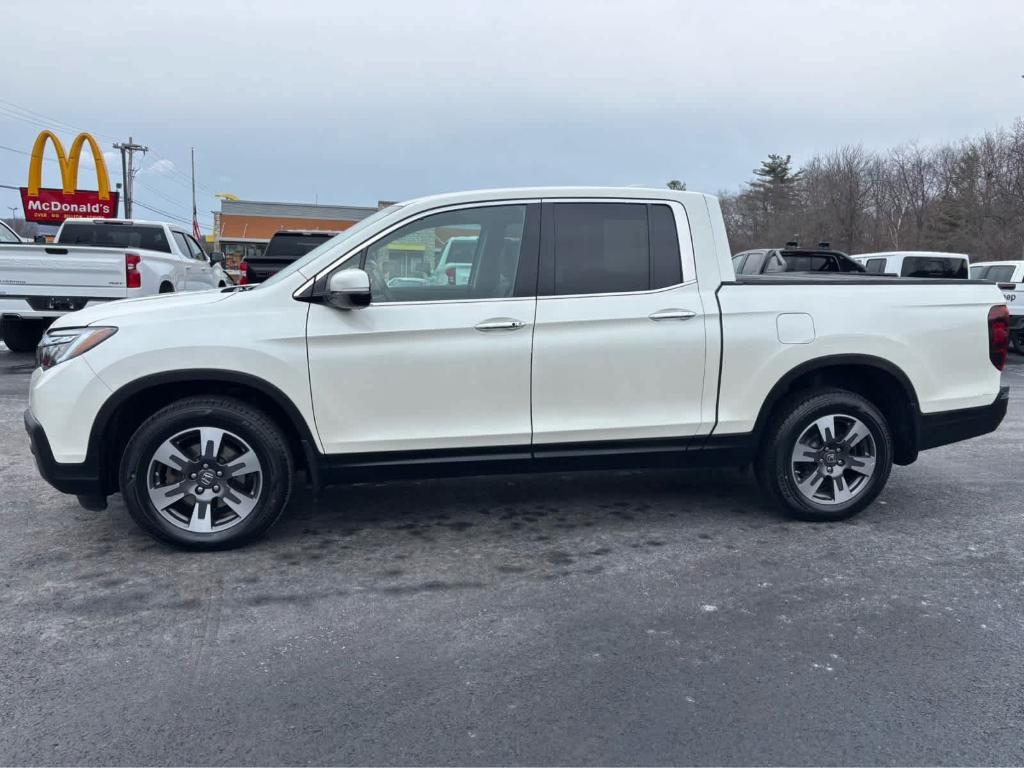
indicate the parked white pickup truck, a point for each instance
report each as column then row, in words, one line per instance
column 615, row 333
column 92, row 261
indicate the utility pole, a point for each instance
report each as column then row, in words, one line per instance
column 128, row 151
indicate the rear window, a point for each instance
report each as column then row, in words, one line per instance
column 995, row 274
column 294, row 245
column 461, row 251
column 150, row 238
column 931, row 266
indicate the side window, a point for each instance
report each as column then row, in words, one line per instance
column 614, row 248
column 737, row 263
column 195, row 249
column 179, row 240
column 756, row 260
column 875, row 266
column 472, row 253
column 666, row 266
column 775, row 263
column 600, row 248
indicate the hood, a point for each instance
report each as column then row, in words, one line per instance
column 177, row 303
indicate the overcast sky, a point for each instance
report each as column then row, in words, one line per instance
column 352, row 102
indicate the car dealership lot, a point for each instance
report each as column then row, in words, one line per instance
column 633, row 617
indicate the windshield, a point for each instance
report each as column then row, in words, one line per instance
column 317, row 252
column 7, row 234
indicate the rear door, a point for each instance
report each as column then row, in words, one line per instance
column 619, row 340
column 188, row 265
column 205, row 276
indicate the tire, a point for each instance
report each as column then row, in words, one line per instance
column 166, row 288
column 1017, row 342
column 22, row 335
column 240, row 504
column 832, row 485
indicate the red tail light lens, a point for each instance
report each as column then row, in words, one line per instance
column 243, row 278
column 998, row 335
column 451, row 275
column 132, row 276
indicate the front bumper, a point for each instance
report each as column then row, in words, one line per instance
column 82, row 480
column 935, row 429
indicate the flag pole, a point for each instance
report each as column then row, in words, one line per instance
column 195, row 218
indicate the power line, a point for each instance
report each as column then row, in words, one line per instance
column 171, row 216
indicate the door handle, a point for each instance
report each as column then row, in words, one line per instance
column 500, row 324
column 672, row 314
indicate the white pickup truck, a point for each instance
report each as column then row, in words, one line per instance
column 598, row 328
column 92, row 261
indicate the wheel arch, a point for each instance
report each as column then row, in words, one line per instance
column 880, row 381
column 129, row 406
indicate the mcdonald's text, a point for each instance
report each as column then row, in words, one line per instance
column 52, row 206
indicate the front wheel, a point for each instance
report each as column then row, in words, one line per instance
column 206, row 473
column 826, row 456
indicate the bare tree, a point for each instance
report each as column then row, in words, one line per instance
column 965, row 196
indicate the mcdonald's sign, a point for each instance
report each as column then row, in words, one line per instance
column 52, row 206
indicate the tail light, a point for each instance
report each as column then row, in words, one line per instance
column 243, row 279
column 132, row 276
column 451, row 275
column 998, row 335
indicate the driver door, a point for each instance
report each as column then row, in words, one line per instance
column 431, row 369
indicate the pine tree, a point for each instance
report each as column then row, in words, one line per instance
column 776, row 183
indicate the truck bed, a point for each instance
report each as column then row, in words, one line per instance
column 38, row 281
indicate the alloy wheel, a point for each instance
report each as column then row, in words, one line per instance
column 204, row 480
column 833, row 460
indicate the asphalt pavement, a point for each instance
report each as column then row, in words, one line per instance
column 600, row 618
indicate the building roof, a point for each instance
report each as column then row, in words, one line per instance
column 258, row 220
column 295, row 210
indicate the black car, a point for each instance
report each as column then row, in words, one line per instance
column 792, row 258
column 284, row 247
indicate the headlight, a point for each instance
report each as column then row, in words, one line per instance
column 60, row 344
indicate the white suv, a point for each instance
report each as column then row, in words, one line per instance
column 596, row 328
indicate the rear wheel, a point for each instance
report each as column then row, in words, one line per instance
column 1017, row 341
column 827, row 455
column 22, row 335
column 166, row 288
column 206, row 473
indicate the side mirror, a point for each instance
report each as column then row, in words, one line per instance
column 39, row 239
column 216, row 257
column 348, row 289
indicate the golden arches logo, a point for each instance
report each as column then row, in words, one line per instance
column 68, row 164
